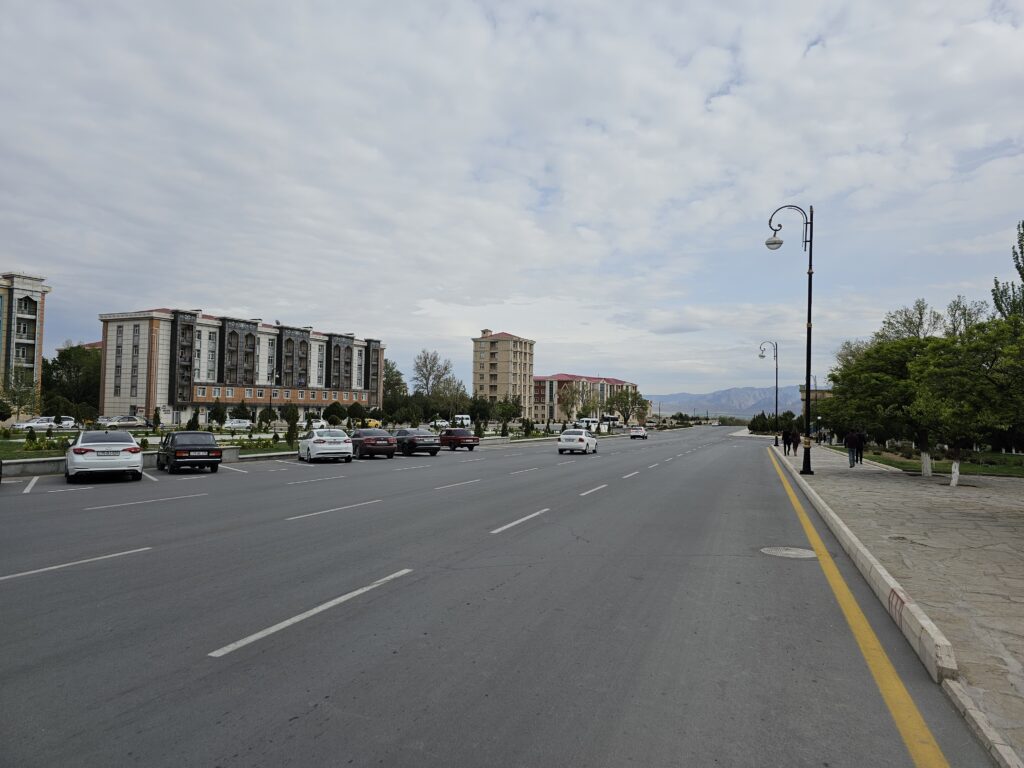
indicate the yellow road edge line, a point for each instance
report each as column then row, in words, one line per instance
column 917, row 737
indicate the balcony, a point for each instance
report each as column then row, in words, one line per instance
column 28, row 338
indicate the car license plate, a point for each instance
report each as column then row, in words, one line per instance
column 198, row 453
column 334, row 442
column 107, row 453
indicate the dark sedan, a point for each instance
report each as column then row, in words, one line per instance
column 459, row 438
column 368, row 442
column 188, row 449
column 411, row 441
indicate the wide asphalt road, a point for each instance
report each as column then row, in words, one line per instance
column 506, row 607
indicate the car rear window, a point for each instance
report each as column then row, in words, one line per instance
column 573, row 432
column 421, row 432
column 374, row 433
column 107, row 437
column 197, row 438
column 331, row 433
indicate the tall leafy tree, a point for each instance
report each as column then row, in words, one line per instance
column 451, row 396
column 74, row 374
column 963, row 315
column 1008, row 297
column 429, row 369
column 218, row 412
column 20, row 392
column 570, row 395
column 918, row 321
column 395, row 389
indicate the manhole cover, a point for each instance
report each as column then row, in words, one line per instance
column 794, row 552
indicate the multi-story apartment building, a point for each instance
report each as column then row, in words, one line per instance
column 503, row 365
column 22, row 305
column 596, row 388
column 181, row 360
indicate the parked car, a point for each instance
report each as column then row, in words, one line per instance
column 318, row 424
column 104, row 420
column 462, row 420
column 368, row 442
column 577, row 441
column 37, row 423
column 94, row 451
column 238, row 424
column 319, row 444
column 440, row 424
column 457, row 437
column 637, row 433
column 373, row 423
column 131, row 422
column 415, row 440
column 188, row 449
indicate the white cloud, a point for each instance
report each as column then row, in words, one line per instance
column 597, row 177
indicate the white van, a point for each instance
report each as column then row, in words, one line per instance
column 589, row 423
column 462, row 420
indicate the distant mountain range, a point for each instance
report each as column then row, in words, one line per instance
column 739, row 401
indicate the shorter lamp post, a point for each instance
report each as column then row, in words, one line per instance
column 775, row 354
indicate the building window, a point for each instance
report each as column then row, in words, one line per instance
column 324, row 395
column 248, row 393
column 344, row 396
column 275, row 393
column 229, row 392
column 117, row 390
column 200, row 391
column 334, row 395
column 259, row 394
column 212, row 336
column 302, row 395
column 216, row 391
column 287, row 394
column 362, row 396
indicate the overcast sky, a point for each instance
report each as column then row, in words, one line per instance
column 597, row 177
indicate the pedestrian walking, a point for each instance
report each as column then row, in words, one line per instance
column 785, row 442
column 851, row 442
column 862, row 440
column 794, row 438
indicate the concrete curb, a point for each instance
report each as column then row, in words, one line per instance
column 928, row 642
column 1001, row 752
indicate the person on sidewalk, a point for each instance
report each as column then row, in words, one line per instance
column 794, row 438
column 862, row 440
column 785, row 442
column 851, row 442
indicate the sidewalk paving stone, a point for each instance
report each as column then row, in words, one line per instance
column 959, row 553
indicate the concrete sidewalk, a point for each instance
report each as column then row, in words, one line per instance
column 959, row 554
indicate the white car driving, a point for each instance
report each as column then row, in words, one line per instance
column 93, row 451
column 637, row 433
column 577, row 441
column 325, row 444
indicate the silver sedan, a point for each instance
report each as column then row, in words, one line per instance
column 93, row 451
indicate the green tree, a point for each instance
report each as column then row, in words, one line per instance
column 265, row 417
column 451, row 396
column 20, row 392
column 5, row 410
column 569, row 397
column 915, row 322
column 429, row 369
column 193, row 421
column 357, row 413
column 290, row 413
column 241, row 411
column 1008, row 297
column 336, row 410
column 395, row 390
column 218, row 412
column 73, row 374
column 480, row 409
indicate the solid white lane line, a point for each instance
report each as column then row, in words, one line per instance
column 194, row 477
column 148, row 501
column 520, row 520
column 279, row 469
column 571, row 461
column 631, row 474
column 669, row 458
column 65, row 490
column 335, row 509
column 455, row 485
column 520, row 471
column 511, row 454
column 31, row 482
column 76, row 562
column 467, row 461
column 587, row 493
column 652, row 466
column 417, row 466
column 235, row 469
column 316, row 480
column 150, row 477
column 306, row 614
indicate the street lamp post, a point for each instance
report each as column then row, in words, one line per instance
column 773, row 243
column 775, row 354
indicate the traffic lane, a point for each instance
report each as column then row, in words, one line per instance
column 163, row 592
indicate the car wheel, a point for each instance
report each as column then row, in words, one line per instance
column 560, row 452
column 136, row 475
column 68, row 478
column 309, row 456
column 595, row 448
column 433, row 453
column 471, row 447
column 214, row 468
column 298, row 456
column 391, row 455
column 348, row 459
column 172, row 469
column 159, row 465
column 451, row 447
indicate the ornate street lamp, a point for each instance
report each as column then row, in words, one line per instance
column 775, row 354
column 773, row 243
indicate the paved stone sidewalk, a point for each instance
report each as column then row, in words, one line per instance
column 958, row 552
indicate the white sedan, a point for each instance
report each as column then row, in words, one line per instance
column 637, row 433
column 93, row 451
column 39, row 422
column 573, row 440
column 325, row 444
column 237, row 424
